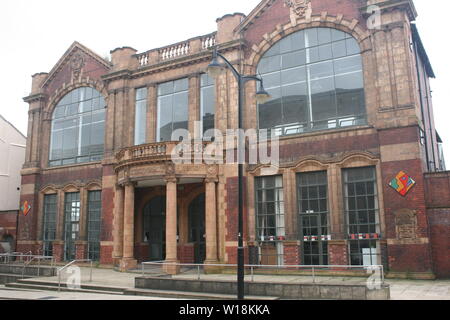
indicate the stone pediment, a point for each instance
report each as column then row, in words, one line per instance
column 78, row 61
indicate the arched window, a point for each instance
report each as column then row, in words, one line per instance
column 316, row 82
column 78, row 126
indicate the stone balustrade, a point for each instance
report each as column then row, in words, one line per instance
column 177, row 50
column 160, row 152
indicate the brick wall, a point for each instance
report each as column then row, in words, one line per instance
column 439, row 220
column 437, row 187
column 292, row 254
column 406, row 255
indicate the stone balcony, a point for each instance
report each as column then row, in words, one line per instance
column 161, row 153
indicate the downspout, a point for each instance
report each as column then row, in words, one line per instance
column 431, row 131
column 421, row 103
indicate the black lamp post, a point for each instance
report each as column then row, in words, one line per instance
column 215, row 69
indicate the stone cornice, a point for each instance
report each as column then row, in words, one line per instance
column 122, row 74
column 35, row 97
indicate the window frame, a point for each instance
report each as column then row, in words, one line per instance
column 276, row 240
column 360, row 240
column 49, row 226
column 308, row 124
column 72, row 207
column 93, row 249
column 322, row 238
column 209, row 86
column 172, row 94
column 87, row 109
column 140, row 136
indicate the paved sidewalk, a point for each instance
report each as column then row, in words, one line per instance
column 28, row 294
column 400, row 289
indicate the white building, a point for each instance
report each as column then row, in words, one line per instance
column 12, row 157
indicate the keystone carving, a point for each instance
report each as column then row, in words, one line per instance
column 298, row 7
column 76, row 63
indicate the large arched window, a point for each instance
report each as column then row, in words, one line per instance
column 315, row 79
column 78, row 126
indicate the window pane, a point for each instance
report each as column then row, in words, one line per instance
column 165, row 88
column 208, row 102
column 290, row 76
column 324, row 35
column 270, row 113
column 311, row 37
column 140, row 122
column 293, row 59
column 270, row 64
column 295, row 103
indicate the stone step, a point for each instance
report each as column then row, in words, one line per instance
column 25, row 286
column 31, row 270
column 190, row 295
column 8, row 277
column 84, row 286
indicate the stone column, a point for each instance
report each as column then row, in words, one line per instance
column 118, row 225
column 171, row 226
column 211, row 221
column 128, row 261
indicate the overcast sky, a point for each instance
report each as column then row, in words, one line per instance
column 34, row 34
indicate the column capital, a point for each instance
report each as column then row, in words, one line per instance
column 171, row 179
column 129, row 183
column 211, row 180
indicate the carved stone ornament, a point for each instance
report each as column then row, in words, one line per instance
column 170, row 168
column 76, row 63
column 299, row 7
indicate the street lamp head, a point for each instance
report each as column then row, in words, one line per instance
column 215, row 69
column 262, row 96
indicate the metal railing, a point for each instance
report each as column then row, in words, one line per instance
column 71, row 263
column 315, row 270
column 23, row 257
column 39, row 259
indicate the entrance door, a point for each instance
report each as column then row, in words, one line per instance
column 197, row 228
column 155, row 228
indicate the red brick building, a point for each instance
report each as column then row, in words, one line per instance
column 349, row 86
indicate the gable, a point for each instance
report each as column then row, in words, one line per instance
column 78, row 62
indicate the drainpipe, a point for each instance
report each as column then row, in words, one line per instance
column 421, row 104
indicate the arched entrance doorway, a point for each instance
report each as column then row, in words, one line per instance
column 154, row 231
column 196, row 213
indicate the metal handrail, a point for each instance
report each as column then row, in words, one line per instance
column 313, row 268
column 38, row 258
column 68, row 265
column 23, row 255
